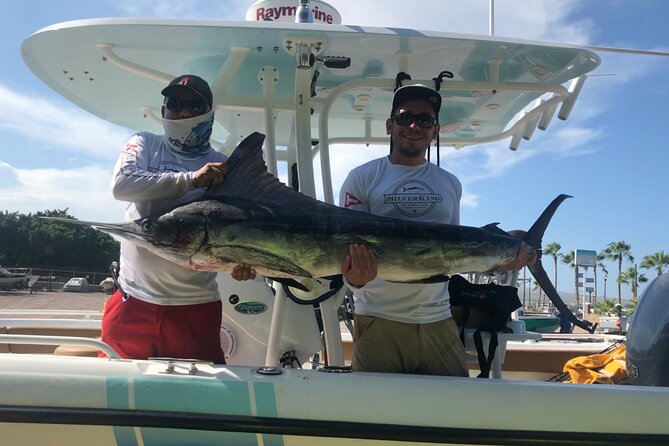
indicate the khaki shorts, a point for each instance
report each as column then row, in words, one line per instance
column 381, row 345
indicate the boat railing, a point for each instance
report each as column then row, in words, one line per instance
column 50, row 323
column 81, row 314
column 38, row 329
column 581, row 337
column 59, row 340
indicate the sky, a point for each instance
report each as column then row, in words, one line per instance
column 610, row 155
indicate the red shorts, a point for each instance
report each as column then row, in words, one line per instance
column 139, row 330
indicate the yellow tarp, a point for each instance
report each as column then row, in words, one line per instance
column 603, row 368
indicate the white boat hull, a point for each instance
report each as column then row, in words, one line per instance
column 299, row 402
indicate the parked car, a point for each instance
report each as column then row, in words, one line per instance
column 77, row 284
column 613, row 324
column 9, row 280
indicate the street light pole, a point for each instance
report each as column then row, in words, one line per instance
column 524, row 284
column 605, row 277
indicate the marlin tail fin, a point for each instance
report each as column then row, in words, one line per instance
column 534, row 238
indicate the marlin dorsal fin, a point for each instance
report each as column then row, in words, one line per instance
column 248, row 178
column 495, row 229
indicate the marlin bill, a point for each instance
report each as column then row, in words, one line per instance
column 255, row 219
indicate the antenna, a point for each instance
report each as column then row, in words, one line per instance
column 303, row 13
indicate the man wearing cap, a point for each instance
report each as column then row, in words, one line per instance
column 163, row 309
column 406, row 328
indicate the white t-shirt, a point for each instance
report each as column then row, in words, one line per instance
column 154, row 181
column 424, row 193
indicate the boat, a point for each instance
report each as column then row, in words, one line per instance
column 540, row 323
column 308, row 86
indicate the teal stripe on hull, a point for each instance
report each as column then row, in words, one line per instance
column 194, row 396
column 118, row 398
column 266, row 407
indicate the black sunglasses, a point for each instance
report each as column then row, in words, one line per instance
column 195, row 107
column 424, row 120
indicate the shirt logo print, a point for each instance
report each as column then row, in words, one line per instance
column 351, row 200
column 413, row 198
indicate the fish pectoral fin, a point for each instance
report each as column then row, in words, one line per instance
column 440, row 278
column 259, row 258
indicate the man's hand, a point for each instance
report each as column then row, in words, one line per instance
column 243, row 272
column 211, row 174
column 526, row 256
column 359, row 266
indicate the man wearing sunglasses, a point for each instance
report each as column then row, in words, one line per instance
column 406, row 328
column 163, row 309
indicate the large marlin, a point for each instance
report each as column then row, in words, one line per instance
column 255, row 219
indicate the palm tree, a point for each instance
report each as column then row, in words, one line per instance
column 631, row 306
column 605, row 308
column 570, row 259
column 618, row 251
column 632, row 277
column 656, row 261
column 553, row 250
column 537, row 287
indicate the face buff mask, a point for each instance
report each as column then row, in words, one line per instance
column 189, row 138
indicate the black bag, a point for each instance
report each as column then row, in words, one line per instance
column 493, row 305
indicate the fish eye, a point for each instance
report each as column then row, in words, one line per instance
column 147, row 225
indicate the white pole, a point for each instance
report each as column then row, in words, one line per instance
column 275, row 329
column 491, row 24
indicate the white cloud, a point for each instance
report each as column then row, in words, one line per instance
column 481, row 162
column 528, row 19
column 486, row 161
column 59, row 126
column 541, row 20
column 57, row 123
column 422, row 14
column 183, row 9
column 573, row 141
column 85, row 191
column 9, row 179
